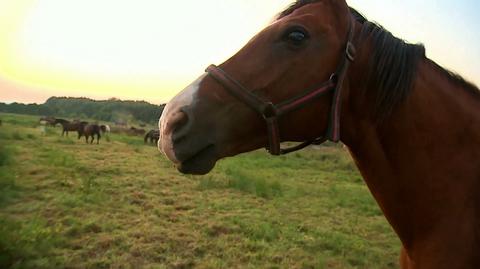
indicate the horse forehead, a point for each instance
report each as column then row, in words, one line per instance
column 315, row 14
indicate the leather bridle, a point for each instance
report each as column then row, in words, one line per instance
column 271, row 112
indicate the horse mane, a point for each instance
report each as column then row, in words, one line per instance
column 457, row 80
column 393, row 64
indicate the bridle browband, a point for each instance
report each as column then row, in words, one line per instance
column 272, row 112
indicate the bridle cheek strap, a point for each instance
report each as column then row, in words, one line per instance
column 333, row 131
column 271, row 112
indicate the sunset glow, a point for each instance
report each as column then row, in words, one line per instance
column 149, row 50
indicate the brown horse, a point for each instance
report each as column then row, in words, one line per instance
column 68, row 126
column 48, row 121
column 412, row 127
column 90, row 130
column 153, row 136
column 136, row 131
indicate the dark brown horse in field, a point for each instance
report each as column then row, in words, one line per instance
column 90, row 130
column 48, row 121
column 412, row 127
column 153, row 136
column 67, row 126
column 136, row 131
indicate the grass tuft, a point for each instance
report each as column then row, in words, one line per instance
column 8, row 187
column 249, row 183
column 127, row 139
column 17, row 136
column 5, row 155
column 65, row 141
column 27, row 245
column 51, row 131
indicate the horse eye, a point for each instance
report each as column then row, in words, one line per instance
column 296, row 37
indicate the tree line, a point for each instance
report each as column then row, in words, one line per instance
column 112, row 110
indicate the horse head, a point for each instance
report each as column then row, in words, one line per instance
column 286, row 76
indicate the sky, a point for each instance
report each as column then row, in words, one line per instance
column 151, row 49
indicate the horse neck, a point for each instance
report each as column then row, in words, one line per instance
column 421, row 162
column 62, row 122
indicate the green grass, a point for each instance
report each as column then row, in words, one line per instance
column 19, row 120
column 127, row 139
column 67, row 204
column 8, row 188
column 243, row 181
column 5, row 155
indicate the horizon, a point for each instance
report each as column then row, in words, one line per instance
column 49, row 49
column 82, row 97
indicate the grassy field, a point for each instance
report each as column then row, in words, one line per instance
column 120, row 204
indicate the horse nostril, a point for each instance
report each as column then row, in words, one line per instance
column 180, row 125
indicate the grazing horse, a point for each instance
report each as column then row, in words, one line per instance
column 153, row 136
column 105, row 130
column 48, row 121
column 136, row 131
column 90, row 130
column 68, row 126
column 412, row 127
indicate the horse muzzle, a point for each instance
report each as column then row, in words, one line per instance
column 182, row 138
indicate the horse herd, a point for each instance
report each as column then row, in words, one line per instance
column 92, row 130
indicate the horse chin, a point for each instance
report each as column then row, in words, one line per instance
column 199, row 164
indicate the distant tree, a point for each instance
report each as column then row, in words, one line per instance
column 106, row 110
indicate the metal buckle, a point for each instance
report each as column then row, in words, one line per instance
column 269, row 111
column 350, row 51
column 333, row 78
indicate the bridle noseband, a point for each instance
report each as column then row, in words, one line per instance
column 272, row 112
